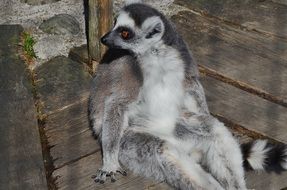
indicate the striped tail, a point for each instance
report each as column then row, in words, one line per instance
column 261, row 155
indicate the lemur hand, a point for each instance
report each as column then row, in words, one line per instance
column 105, row 172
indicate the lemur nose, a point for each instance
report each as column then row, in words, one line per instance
column 104, row 38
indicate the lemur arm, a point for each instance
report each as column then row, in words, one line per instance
column 195, row 101
column 112, row 130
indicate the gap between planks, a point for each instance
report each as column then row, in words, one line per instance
column 244, row 131
column 41, row 118
column 241, row 85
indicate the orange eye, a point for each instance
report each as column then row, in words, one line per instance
column 125, row 34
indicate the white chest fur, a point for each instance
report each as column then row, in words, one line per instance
column 162, row 93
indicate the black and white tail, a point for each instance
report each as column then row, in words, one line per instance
column 261, row 155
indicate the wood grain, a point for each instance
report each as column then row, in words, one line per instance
column 21, row 165
column 100, row 22
column 264, row 16
column 78, row 176
column 93, row 30
column 63, row 88
column 70, row 135
column 283, row 2
column 260, row 180
column 61, row 82
column 106, row 20
column 258, row 61
column 245, row 109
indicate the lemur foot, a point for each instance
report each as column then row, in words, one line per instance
column 102, row 175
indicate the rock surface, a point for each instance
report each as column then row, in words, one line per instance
column 49, row 46
column 63, row 24
column 38, row 2
column 32, row 13
column 32, row 16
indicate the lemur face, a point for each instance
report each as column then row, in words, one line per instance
column 133, row 33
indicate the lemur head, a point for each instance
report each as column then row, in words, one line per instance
column 137, row 28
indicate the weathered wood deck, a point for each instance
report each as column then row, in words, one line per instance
column 241, row 47
column 21, row 165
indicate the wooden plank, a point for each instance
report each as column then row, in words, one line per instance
column 61, row 83
column 78, row 176
column 63, row 87
column 21, row 165
column 100, row 21
column 264, row 16
column 69, row 134
column 93, row 30
column 258, row 61
column 284, row 2
column 266, row 181
column 106, row 20
column 245, row 109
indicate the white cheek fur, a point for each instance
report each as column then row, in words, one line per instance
column 124, row 20
column 128, row 2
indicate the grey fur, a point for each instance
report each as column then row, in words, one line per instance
column 119, row 118
column 114, row 87
column 165, row 136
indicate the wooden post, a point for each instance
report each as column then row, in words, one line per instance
column 100, row 22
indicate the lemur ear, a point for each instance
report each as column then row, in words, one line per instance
column 153, row 26
column 129, row 2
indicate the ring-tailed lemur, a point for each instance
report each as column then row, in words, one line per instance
column 149, row 111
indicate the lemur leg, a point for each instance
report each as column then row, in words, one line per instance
column 223, row 158
column 152, row 157
column 111, row 132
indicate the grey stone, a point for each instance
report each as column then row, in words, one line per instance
column 62, row 24
column 48, row 46
column 38, row 2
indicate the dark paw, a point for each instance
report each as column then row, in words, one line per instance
column 102, row 175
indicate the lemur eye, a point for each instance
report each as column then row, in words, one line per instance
column 125, row 34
